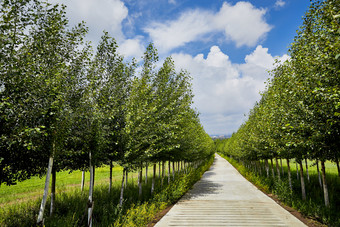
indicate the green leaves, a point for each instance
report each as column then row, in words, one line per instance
column 298, row 115
column 59, row 99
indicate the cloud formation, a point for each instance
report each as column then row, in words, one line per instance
column 99, row 15
column 279, row 4
column 241, row 23
column 225, row 91
column 132, row 48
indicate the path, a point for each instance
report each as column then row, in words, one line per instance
column 223, row 197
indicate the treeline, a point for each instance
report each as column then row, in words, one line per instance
column 66, row 107
column 298, row 116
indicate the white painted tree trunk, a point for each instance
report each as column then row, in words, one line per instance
column 110, row 184
column 325, row 189
column 82, row 180
column 90, row 200
column 163, row 173
column 140, row 182
column 178, row 166
column 54, row 175
column 337, row 165
column 44, row 199
column 258, row 163
column 278, row 169
column 146, row 173
column 122, row 189
column 273, row 172
column 267, row 167
column 169, row 170
column 289, row 175
column 307, row 169
column 319, row 175
column 303, row 188
column 126, row 178
column 153, row 178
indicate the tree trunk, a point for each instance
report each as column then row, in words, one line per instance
column 277, row 169
column 325, row 189
column 184, row 167
column 90, row 200
column 47, row 184
column 260, row 167
column 297, row 170
column 153, row 178
column 319, row 175
column 54, row 176
column 146, row 173
column 163, row 173
column 140, row 182
column 82, row 180
column 110, row 184
column 289, row 175
column 159, row 169
column 126, row 177
column 267, row 167
column 307, row 169
column 122, row 189
column 303, row 189
column 169, row 169
column 283, row 173
column 337, row 165
column 273, row 172
column 173, row 170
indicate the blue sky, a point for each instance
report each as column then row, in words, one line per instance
column 227, row 46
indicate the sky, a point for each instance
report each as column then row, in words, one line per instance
column 227, row 46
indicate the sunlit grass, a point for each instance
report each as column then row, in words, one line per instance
column 33, row 188
column 331, row 167
column 70, row 204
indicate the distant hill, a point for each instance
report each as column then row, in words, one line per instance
column 214, row 137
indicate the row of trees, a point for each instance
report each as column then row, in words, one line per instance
column 298, row 116
column 64, row 107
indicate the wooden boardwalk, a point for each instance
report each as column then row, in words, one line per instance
column 223, row 197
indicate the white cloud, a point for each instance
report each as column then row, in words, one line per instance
column 172, row 2
column 188, row 27
column 242, row 24
column 280, row 4
column 132, row 48
column 225, row 91
column 99, row 15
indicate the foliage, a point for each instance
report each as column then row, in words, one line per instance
column 298, row 116
column 70, row 204
column 65, row 106
column 312, row 208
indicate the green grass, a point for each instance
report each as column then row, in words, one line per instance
column 66, row 181
column 71, row 202
column 313, row 206
column 34, row 187
column 331, row 167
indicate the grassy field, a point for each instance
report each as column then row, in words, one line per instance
column 312, row 169
column 70, row 202
column 33, row 188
